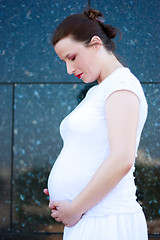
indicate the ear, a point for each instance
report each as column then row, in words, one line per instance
column 96, row 42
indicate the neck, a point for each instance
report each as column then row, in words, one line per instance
column 109, row 64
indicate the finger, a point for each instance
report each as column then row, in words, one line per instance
column 46, row 191
column 52, row 206
column 56, row 203
column 54, row 214
column 67, row 225
column 57, row 219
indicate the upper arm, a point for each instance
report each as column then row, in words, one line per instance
column 122, row 114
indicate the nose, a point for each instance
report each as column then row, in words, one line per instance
column 70, row 68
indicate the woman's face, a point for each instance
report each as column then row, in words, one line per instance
column 81, row 60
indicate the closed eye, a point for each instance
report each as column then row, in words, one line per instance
column 73, row 58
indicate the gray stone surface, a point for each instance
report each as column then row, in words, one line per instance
column 28, row 59
column 26, row 28
column 39, row 109
column 5, row 154
column 139, row 24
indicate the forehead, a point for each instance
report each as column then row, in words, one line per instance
column 67, row 46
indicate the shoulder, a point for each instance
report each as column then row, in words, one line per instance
column 121, row 79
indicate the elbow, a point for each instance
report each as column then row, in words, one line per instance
column 124, row 161
column 127, row 162
column 128, row 165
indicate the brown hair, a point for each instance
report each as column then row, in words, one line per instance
column 82, row 27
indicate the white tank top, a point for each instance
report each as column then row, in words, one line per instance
column 85, row 147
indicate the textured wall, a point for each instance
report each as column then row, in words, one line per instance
column 36, row 93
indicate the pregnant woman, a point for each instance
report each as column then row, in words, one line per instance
column 91, row 185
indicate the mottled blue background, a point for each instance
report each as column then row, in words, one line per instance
column 36, row 94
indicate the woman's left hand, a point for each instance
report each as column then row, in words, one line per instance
column 62, row 211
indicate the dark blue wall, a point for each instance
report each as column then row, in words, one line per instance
column 36, row 93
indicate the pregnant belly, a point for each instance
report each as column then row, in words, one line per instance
column 68, row 178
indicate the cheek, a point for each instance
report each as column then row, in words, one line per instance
column 93, row 68
column 85, row 62
column 88, row 65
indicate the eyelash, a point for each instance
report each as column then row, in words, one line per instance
column 72, row 59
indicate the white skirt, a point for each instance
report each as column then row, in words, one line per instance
column 130, row 226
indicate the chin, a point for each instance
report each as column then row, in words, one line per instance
column 88, row 80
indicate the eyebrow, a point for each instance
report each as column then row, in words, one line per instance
column 67, row 56
column 64, row 58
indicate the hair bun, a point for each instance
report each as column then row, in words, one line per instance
column 111, row 31
column 92, row 13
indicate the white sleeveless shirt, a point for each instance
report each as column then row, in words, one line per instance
column 85, row 147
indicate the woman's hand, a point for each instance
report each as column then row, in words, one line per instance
column 46, row 191
column 63, row 211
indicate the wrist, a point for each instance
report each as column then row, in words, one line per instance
column 77, row 208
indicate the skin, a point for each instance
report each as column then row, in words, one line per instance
column 96, row 63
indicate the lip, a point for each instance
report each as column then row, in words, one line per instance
column 79, row 75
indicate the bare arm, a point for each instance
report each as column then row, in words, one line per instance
column 122, row 113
